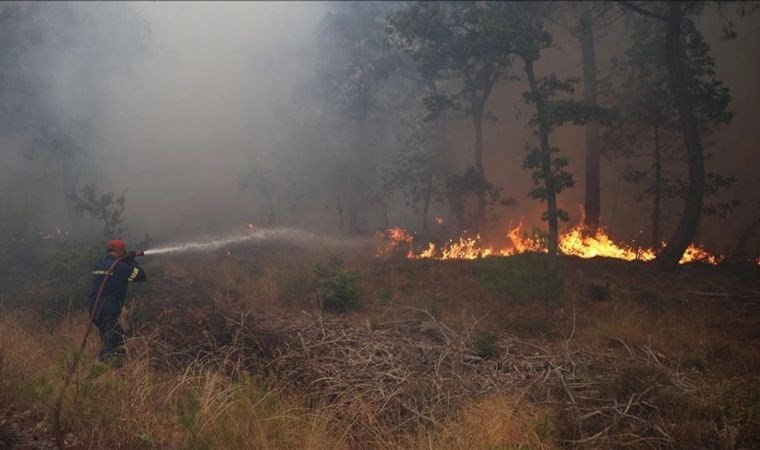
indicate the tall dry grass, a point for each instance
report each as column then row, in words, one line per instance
column 209, row 403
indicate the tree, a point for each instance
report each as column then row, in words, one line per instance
column 262, row 180
column 685, row 81
column 676, row 91
column 105, row 207
column 519, row 28
column 356, row 67
column 418, row 170
column 449, row 43
column 592, row 204
column 648, row 122
column 38, row 44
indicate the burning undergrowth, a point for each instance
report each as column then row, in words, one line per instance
column 573, row 242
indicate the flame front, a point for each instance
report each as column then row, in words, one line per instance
column 573, row 242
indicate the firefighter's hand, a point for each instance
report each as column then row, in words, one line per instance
column 130, row 257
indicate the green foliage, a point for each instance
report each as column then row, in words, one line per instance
column 526, row 276
column 741, row 406
column 485, row 344
column 337, row 288
column 358, row 58
column 546, row 426
column 599, row 292
column 697, row 359
column 188, row 414
column 66, row 264
column 469, row 184
column 103, row 207
column 446, row 41
column 417, row 171
column 639, row 88
column 555, row 180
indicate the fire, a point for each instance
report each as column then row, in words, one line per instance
column 695, row 252
column 572, row 242
column 576, row 244
column 439, row 220
column 394, row 238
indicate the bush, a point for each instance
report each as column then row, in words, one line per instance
column 528, row 276
column 485, row 344
column 741, row 406
column 337, row 288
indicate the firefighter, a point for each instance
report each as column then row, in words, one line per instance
column 106, row 313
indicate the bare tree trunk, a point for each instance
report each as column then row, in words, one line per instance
column 543, row 136
column 271, row 210
column 656, row 241
column 478, row 123
column 339, row 204
column 593, row 191
column 684, row 234
column 425, row 209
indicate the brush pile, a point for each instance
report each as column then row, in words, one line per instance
column 407, row 369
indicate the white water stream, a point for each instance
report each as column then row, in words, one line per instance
column 285, row 235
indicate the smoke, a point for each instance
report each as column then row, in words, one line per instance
column 214, row 115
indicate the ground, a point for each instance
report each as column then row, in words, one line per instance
column 235, row 349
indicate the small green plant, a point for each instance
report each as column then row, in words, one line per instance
column 599, row 292
column 337, row 288
column 697, row 359
column 545, row 426
column 485, row 344
column 529, row 276
column 741, row 406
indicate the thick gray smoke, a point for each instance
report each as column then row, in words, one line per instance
column 214, row 115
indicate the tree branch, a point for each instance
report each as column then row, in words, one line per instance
column 643, row 11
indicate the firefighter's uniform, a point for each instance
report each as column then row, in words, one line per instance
column 106, row 316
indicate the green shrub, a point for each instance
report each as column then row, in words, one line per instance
column 741, row 406
column 337, row 288
column 528, row 276
column 485, row 344
column 599, row 292
column 524, row 276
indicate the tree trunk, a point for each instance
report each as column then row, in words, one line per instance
column 425, row 209
column 546, row 169
column 684, row 234
column 656, row 241
column 339, row 204
column 271, row 211
column 477, row 120
column 593, row 191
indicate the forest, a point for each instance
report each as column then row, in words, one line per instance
column 441, row 225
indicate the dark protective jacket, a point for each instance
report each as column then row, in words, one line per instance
column 115, row 289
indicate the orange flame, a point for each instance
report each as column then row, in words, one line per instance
column 573, row 242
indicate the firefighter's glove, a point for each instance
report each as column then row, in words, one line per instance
column 130, row 257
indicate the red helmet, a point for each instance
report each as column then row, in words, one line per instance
column 117, row 244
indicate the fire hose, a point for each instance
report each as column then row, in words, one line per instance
column 77, row 356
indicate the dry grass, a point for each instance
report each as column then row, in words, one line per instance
column 228, row 352
column 498, row 421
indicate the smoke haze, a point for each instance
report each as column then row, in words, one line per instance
column 180, row 113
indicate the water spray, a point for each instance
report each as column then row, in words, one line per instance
column 282, row 235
